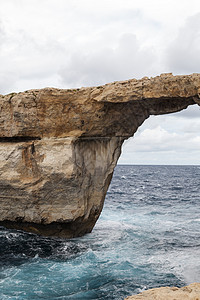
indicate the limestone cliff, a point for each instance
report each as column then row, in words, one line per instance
column 58, row 148
column 190, row 292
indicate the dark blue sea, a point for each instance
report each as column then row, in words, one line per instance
column 147, row 236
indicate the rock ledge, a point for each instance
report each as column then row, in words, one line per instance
column 190, row 292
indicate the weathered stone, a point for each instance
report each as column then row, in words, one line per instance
column 58, row 148
column 190, row 292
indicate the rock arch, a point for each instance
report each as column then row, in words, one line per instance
column 58, row 148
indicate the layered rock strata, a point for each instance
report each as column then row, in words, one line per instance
column 58, row 148
column 190, row 292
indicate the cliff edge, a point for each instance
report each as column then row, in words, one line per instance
column 58, row 148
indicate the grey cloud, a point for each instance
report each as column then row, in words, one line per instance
column 111, row 17
column 7, row 78
column 191, row 112
column 27, row 61
column 183, row 54
column 159, row 140
column 105, row 64
column 1, row 34
column 7, row 82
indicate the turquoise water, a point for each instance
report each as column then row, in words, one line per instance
column 147, row 236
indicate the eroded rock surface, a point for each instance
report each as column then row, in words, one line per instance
column 58, row 148
column 190, row 292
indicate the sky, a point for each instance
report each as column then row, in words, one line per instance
column 75, row 43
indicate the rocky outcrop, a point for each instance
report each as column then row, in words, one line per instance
column 190, row 292
column 58, row 148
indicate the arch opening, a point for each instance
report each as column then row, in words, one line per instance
column 171, row 139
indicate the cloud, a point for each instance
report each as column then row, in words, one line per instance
column 158, row 146
column 192, row 111
column 7, row 82
column 28, row 62
column 183, row 53
column 102, row 63
column 165, row 139
column 187, row 120
column 76, row 43
column 1, row 34
column 159, row 139
column 7, row 78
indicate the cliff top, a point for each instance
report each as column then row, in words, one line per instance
column 114, row 109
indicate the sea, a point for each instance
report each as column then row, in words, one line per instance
column 147, row 236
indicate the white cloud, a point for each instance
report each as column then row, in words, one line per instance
column 159, row 139
column 192, row 111
column 86, row 42
column 126, row 59
column 183, row 53
column 166, row 139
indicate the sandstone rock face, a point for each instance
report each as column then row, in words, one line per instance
column 190, row 292
column 58, row 148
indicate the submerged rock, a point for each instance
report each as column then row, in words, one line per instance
column 190, row 292
column 58, row 148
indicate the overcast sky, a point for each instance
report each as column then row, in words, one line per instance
column 74, row 43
